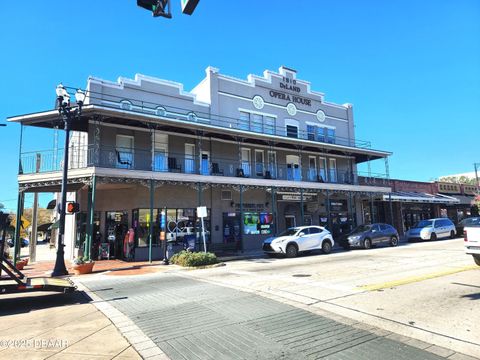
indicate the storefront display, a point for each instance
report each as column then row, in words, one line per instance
column 257, row 223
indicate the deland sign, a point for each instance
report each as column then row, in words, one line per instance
column 290, row 84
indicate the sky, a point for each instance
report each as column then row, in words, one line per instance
column 410, row 68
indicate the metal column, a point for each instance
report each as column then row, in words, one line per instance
column 391, row 208
column 241, row 218
column 91, row 216
column 89, row 230
column 329, row 218
column 302, row 215
column 274, row 212
column 350, row 198
column 33, row 239
column 16, row 249
column 150, row 238
column 372, row 217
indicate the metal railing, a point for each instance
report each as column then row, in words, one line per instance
column 208, row 165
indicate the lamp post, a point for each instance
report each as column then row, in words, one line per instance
column 68, row 113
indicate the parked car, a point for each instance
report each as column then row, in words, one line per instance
column 299, row 239
column 431, row 229
column 464, row 223
column 472, row 239
column 368, row 235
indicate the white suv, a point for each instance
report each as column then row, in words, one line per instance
column 298, row 239
column 431, row 229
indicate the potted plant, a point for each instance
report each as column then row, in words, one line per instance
column 20, row 264
column 82, row 266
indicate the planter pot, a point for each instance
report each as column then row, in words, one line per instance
column 83, row 268
column 25, row 261
column 20, row 265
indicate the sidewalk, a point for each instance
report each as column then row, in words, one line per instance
column 44, row 268
column 58, row 326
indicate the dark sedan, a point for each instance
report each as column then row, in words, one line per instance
column 464, row 223
column 367, row 236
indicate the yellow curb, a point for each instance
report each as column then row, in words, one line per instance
column 412, row 279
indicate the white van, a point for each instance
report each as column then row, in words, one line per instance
column 432, row 229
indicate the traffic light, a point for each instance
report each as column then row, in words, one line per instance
column 73, row 207
column 188, row 6
column 157, row 7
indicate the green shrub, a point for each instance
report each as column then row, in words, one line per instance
column 187, row 258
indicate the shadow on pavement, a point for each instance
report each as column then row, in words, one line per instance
column 24, row 303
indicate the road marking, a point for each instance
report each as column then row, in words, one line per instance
column 412, row 279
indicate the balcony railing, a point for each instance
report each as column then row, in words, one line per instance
column 161, row 161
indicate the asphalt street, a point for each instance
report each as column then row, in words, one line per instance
column 288, row 308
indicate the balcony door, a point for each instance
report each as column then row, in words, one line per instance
column 322, row 171
column 272, row 164
column 124, row 151
column 259, row 162
column 160, row 151
column 332, row 169
column 205, row 163
column 246, row 162
column 312, row 168
column 190, row 158
column 293, row 168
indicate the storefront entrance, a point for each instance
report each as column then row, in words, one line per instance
column 116, row 227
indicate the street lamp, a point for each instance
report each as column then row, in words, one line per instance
column 68, row 114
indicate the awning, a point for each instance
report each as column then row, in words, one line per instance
column 417, row 197
column 464, row 199
column 44, row 227
column 55, row 225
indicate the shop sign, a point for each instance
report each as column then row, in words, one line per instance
column 338, row 205
column 298, row 197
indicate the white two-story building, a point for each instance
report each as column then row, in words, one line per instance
column 262, row 154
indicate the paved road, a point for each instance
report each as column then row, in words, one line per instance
column 429, row 291
column 329, row 306
column 192, row 319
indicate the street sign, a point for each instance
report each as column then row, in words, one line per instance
column 202, row 211
column 188, row 6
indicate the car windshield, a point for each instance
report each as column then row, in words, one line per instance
column 289, row 232
column 362, row 228
column 423, row 224
column 470, row 221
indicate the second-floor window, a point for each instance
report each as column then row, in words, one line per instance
column 322, row 134
column 256, row 122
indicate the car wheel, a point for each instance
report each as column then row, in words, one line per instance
column 367, row 243
column 393, row 241
column 433, row 237
column 291, row 251
column 476, row 258
column 326, row 247
column 452, row 234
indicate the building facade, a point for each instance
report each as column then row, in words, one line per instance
column 262, row 154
